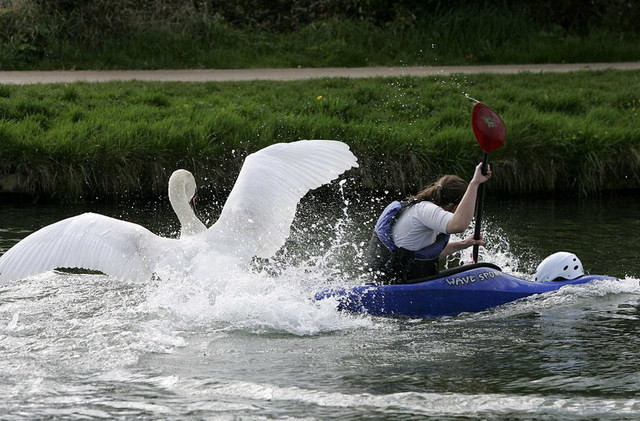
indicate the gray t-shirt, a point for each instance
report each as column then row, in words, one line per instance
column 419, row 225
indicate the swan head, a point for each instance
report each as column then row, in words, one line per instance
column 183, row 183
column 182, row 191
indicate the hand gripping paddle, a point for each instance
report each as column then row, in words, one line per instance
column 490, row 132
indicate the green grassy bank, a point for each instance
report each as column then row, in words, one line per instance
column 573, row 133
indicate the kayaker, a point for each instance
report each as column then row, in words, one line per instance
column 410, row 236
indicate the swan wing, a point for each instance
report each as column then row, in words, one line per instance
column 88, row 241
column 257, row 216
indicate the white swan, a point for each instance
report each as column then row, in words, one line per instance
column 255, row 221
column 182, row 191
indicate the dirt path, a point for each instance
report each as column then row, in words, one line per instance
column 226, row 75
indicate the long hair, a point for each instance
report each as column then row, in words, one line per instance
column 446, row 191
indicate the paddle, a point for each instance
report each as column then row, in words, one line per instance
column 490, row 132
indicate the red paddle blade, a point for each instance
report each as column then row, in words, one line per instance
column 488, row 128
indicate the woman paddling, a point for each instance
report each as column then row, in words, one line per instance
column 410, row 236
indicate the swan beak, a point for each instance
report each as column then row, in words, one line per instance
column 192, row 203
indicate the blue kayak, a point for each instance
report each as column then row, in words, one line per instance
column 465, row 289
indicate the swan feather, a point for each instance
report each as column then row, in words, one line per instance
column 87, row 241
column 257, row 216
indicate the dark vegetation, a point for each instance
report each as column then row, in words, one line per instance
column 152, row 34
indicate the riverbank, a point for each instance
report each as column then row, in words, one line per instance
column 568, row 133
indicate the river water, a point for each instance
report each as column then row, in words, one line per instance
column 77, row 346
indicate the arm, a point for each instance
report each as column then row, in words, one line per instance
column 464, row 212
column 455, row 246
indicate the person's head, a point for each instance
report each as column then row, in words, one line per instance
column 446, row 192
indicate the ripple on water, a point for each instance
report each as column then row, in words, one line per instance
column 79, row 346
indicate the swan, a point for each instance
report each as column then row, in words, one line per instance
column 182, row 191
column 255, row 221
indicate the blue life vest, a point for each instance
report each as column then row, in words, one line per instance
column 384, row 231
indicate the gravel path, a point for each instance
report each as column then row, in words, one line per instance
column 226, row 75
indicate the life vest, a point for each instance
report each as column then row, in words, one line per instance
column 384, row 231
column 390, row 264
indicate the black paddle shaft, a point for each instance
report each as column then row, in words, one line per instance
column 479, row 205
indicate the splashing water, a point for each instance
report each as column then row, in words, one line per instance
column 274, row 295
column 254, row 301
column 466, row 95
column 496, row 250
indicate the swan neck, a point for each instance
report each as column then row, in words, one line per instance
column 179, row 200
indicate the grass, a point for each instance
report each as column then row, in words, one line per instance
column 471, row 34
column 324, row 44
column 574, row 133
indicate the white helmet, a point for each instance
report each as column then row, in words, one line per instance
column 561, row 265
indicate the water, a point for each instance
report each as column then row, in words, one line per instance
column 87, row 347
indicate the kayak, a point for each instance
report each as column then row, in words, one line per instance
column 466, row 289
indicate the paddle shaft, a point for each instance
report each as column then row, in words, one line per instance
column 479, row 205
